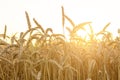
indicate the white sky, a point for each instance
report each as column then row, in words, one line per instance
column 48, row 13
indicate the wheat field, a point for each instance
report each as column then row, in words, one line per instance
column 41, row 54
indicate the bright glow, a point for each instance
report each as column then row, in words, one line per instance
column 48, row 13
column 82, row 34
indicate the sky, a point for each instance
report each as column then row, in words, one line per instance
column 48, row 14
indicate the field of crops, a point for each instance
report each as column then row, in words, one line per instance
column 41, row 54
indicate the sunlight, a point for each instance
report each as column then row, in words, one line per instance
column 59, row 40
column 81, row 33
column 84, row 34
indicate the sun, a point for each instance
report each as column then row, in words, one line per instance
column 85, row 33
column 81, row 33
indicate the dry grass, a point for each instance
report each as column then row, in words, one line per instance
column 48, row 56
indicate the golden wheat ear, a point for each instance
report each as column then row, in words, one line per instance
column 104, row 29
column 70, row 20
column 106, row 26
column 48, row 30
column 80, row 26
column 5, row 30
column 38, row 25
column 69, row 30
column 28, row 20
column 63, row 20
column 118, row 31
